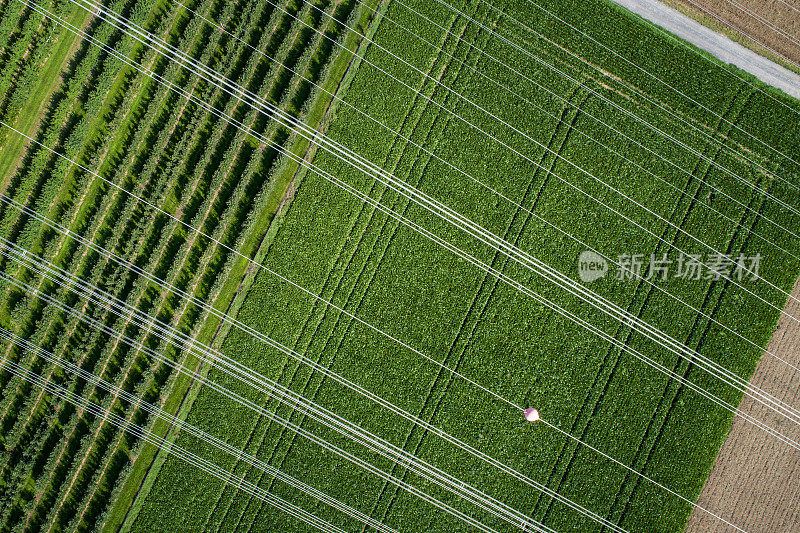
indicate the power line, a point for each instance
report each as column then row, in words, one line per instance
column 588, row 113
column 241, row 400
column 214, row 356
column 168, row 287
column 196, row 432
column 433, row 237
column 475, row 230
column 173, row 449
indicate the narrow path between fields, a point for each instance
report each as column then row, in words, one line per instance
column 715, row 43
column 753, row 482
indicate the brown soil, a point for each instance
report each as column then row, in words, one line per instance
column 771, row 28
column 754, row 481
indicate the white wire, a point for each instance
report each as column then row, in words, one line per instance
column 743, row 385
column 185, row 340
column 787, row 4
column 616, row 461
column 272, row 386
column 721, row 66
column 588, row 113
column 655, row 77
column 318, row 139
column 531, row 212
column 276, row 390
column 71, row 279
column 171, row 448
column 566, row 101
column 478, row 232
column 260, row 265
column 517, row 130
column 498, row 244
column 198, row 433
column 764, row 21
column 743, row 32
column 255, row 407
column 608, row 258
column 636, row 275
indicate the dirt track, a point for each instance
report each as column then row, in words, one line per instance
column 755, row 481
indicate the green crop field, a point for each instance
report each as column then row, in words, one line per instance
column 499, row 110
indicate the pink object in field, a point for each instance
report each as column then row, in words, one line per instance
column 531, row 414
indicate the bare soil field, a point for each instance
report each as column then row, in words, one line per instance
column 770, row 27
column 753, row 482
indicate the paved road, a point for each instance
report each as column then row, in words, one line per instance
column 716, row 44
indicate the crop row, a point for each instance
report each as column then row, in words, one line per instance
column 229, row 165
